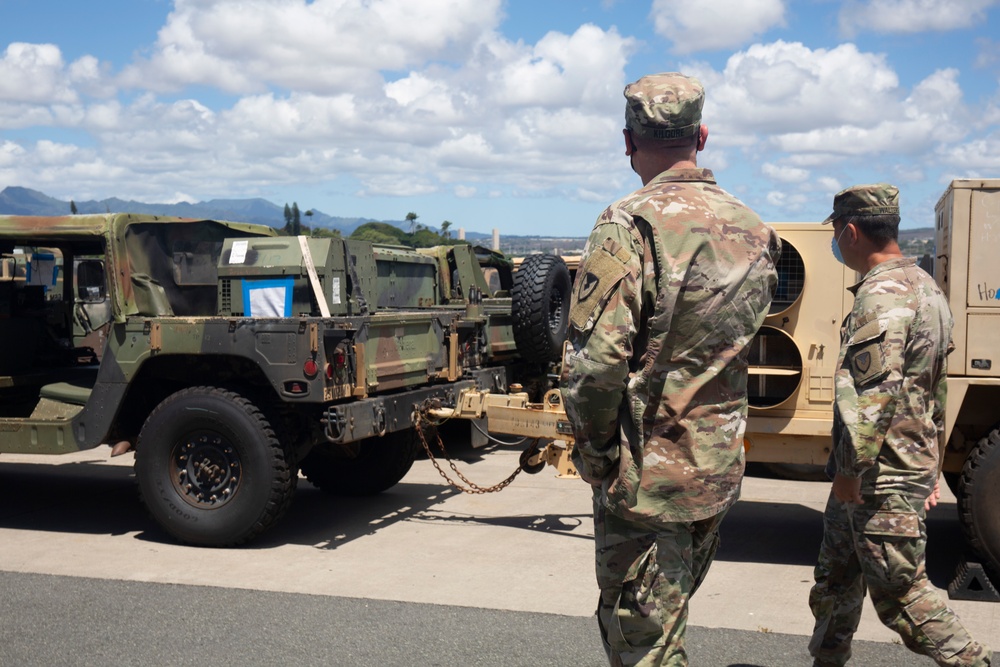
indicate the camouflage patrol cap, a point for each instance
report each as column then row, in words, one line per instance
column 873, row 199
column 664, row 106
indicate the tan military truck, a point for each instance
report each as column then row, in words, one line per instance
column 794, row 356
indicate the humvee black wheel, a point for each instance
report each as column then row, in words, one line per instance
column 979, row 500
column 802, row 472
column 377, row 464
column 540, row 296
column 210, row 469
column 952, row 479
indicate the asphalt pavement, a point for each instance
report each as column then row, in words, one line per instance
column 420, row 575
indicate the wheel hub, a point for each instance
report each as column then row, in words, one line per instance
column 555, row 312
column 205, row 470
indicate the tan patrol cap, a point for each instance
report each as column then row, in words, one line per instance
column 873, row 199
column 664, row 106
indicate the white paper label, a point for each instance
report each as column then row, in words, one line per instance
column 239, row 254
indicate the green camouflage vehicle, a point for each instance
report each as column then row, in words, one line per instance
column 230, row 358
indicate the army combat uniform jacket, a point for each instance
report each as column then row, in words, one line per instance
column 675, row 281
column 891, row 385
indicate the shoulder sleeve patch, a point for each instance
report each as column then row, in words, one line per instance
column 865, row 353
column 866, row 331
column 598, row 276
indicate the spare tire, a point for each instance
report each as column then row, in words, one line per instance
column 379, row 464
column 541, row 295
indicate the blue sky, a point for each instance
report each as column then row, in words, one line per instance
column 490, row 113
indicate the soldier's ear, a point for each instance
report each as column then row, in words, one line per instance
column 629, row 143
column 852, row 233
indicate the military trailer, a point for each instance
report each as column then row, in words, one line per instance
column 230, row 358
column 794, row 356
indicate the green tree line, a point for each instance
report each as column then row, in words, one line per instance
column 419, row 235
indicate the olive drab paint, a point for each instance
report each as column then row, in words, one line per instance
column 343, row 339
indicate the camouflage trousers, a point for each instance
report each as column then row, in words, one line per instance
column 879, row 546
column 646, row 576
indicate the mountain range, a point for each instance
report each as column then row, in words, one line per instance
column 24, row 201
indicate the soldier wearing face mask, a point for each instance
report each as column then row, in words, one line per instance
column 887, row 444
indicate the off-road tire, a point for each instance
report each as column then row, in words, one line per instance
column 210, row 468
column 379, row 465
column 541, row 296
column 953, row 480
column 979, row 501
column 801, row 472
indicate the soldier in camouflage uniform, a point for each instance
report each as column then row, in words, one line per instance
column 675, row 281
column 887, row 444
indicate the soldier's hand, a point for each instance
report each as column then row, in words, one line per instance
column 847, row 489
column 932, row 500
column 593, row 469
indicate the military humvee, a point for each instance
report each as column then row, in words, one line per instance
column 229, row 357
column 794, row 356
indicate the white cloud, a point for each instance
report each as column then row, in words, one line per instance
column 784, row 174
column 584, row 68
column 396, row 187
column 320, row 46
column 50, row 152
column 790, row 201
column 989, row 52
column 719, row 24
column 932, row 110
column 91, row 77
column 11, row 153
column 522, row 118
column 786, row 86
column 979, row 158
column 815, row 119
column 829, row 185
column 33, row 73
column 908, row 16
column 420, row 94
column 21, row 115
column 821, row 105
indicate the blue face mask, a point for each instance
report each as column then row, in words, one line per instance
column 835, row 246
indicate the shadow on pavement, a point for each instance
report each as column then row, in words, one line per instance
column 786, row 533
column 556, row 524
column 82, row 497
column 92, row 497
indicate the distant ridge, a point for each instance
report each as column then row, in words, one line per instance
column 15, row 200
column 24, row 201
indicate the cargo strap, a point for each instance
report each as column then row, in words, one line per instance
column 317, row 289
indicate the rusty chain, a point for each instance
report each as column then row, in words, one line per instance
column 472, row 486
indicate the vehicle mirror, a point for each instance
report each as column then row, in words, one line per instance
column 90, row 283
